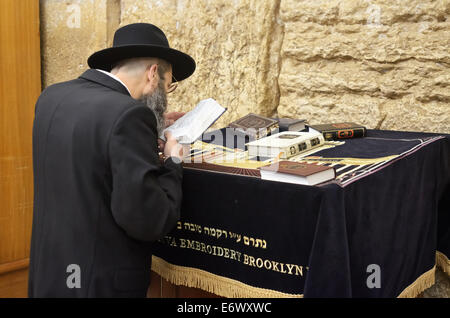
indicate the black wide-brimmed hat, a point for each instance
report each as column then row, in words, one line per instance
column 142, row 40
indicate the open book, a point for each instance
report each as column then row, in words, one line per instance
column 193, row 124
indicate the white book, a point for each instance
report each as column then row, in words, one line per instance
column 285, row 144
column 193, row 124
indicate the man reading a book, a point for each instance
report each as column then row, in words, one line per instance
column 102, row 194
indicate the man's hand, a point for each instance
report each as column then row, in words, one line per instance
column 171, row 117
column 172, row 148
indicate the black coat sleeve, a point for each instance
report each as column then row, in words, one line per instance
column 146, row 195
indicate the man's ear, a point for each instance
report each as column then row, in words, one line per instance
column 152, row 73
column 152, row 79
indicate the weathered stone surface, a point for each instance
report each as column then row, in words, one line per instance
column 71, row 31
column 384, row 64
column 374, row 62
column 236, row 46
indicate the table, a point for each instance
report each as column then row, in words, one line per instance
column 375, row 232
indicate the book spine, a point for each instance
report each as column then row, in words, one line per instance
column 287, row 152
column 303, row 146
column 256, row 133
column 344, row 133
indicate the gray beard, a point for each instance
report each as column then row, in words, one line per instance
column 157, row 102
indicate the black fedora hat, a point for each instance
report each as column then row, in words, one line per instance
column 142, row 40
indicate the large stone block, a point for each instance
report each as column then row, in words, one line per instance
column 372, row 62
column 236, row 46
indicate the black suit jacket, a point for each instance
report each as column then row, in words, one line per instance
column 101, row 195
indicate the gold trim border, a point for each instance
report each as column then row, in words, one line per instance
column 424, row 281
column 443, row 262
column 230, row 288
column 221, row 286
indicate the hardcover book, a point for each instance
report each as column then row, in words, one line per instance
column 255, row 125
column 298, row 173
column 285, row 144
column 290, row 124
column 338, row 131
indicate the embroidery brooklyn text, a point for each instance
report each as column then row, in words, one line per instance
column 283, row 268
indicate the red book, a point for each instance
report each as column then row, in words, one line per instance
column 299, row 173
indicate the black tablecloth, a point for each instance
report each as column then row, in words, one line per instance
column 386, row 219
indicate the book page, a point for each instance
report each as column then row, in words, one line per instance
column 192, row 125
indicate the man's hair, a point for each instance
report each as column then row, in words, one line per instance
column 136, row 66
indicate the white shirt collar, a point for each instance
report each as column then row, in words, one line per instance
column 116, row 78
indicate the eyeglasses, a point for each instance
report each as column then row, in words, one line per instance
column 172, row 86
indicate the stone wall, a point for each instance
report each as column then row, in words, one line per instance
column 70, row 32
column 385, row 64
column 381, row 63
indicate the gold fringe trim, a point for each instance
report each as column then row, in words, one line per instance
column 221, row 286
column 230, row 288
column 426, row 280
column 443, row 262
